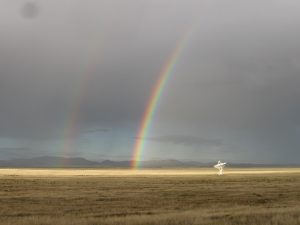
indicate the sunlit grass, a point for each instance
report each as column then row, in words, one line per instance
column 140, row 172
column 138, row 197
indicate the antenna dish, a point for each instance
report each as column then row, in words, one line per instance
column 220, row 167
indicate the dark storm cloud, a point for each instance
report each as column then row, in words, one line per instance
column 187, row 140
column 98, row 61
column 237, row 78
column 96, row 130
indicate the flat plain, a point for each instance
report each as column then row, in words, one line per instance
column 167, row 196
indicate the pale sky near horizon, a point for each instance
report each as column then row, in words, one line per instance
column 75, row 78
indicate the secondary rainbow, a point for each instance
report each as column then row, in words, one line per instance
column 153, row 101
column 71, row 127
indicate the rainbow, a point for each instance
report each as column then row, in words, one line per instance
column 153, row 101
column 71, row 127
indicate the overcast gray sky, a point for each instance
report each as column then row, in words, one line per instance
column 75, row 77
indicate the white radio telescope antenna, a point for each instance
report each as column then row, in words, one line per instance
column 220, row 167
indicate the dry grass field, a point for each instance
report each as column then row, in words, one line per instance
column 171, row 197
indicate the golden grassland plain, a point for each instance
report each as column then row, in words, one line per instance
column 172, row 197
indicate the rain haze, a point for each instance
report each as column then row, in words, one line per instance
column 76, row 78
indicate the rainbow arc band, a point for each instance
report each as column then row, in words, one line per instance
column 70, row 129
column 154, row 99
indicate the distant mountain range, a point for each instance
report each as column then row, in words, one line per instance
column 48, row 161
column 55, row 162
